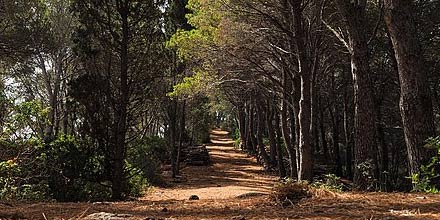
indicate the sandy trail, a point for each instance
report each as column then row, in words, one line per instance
column 232, row 174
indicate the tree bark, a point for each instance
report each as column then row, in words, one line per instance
column 260, row 124
column 242, row 127
column 272, row 135
column 285, row 127
column 415, row 99
column 280, row 161
column 118, row 177
column 305, row 169
column 347, row 135
column 334, row 114
column 354, row 14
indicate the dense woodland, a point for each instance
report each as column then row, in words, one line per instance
column 97, row 97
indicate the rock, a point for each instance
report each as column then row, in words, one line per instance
column 194, row 197
column 164, row 209
column 107, row 216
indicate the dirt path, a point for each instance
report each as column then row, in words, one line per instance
column 219, row 187
column 231, row 175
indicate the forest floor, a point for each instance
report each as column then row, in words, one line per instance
column 235, row 187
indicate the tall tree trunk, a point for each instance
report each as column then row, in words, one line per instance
column 354, row 14
column 347, row 135
column 335, row 128
column 181, row 136
column 118, row 177
column 285, row 126
column 305, row 169
column 172, row 115
column 415, row 99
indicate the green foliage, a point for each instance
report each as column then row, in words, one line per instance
column 144, row 157
column 428, row 180
column 65, row 169
column 366, row 171
column 72, row 164
column 201, row 120
column 137, row 181
column 205, row 17
column 191, row 86
column 28, row 119
column 330, row 182
column 236, row 137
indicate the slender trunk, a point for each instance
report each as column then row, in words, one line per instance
column 335, row 136
column 251, row 136
column 305, row 169
column 173, row 136
column 347, row 135
column 415, row 99
column 285, row 127
column 260, row 132
column 271, row 134
column 281, row 168
column 242, row 127
column 322, row 130
column 181, row 136
column 335, row 128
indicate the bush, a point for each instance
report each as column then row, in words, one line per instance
column 65, row 169
column 144, row 158
column 428, row 180
column 69, row 169
column 330, row 182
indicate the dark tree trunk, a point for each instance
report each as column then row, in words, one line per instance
column 347, row 135
column 242, row 127
column 252, row 142
column 285, row 126
column 415, row 99
column 365, row 117
column 322, row 130
column 271, row 134
column 260, row 132
column 118, row 177
column 173, row 136
column 335, row 128
column 181, row 136
column 305, row 168
column 281, row 168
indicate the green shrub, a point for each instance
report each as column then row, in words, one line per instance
column 428, row 180
column 144, row 158
column 330, row 182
